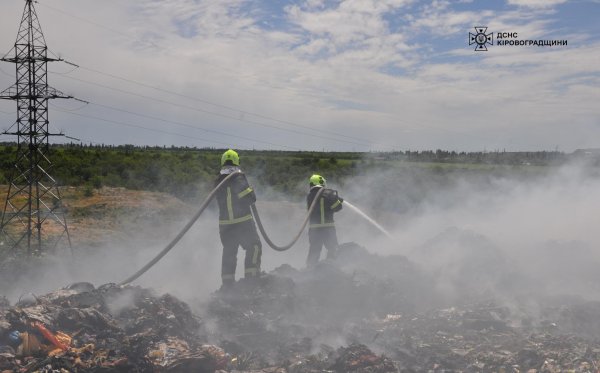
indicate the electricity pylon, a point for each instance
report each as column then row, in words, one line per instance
column 33, row 220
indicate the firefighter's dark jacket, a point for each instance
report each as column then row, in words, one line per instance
column 322, row 214
column 234, row 198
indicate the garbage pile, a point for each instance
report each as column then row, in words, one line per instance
column 361, row 313
column 290, row 312
column 129, row 329
column 300, row 321
column 109, row 329
column 483, row 337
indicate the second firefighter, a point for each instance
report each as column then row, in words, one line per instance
column 321, row 231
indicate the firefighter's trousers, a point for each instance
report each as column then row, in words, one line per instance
column 317, row 237
column 241, row 234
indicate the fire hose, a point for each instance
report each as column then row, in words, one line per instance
column 285, row 247
column 203, row 207
column 179, row 236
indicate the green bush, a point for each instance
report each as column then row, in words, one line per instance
column 88, row 191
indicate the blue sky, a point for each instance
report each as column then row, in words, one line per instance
column 319, row 74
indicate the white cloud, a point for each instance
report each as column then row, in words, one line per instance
column 341, row 68
column 537, row 3
column 442, row 22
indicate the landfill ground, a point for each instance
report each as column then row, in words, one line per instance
column 359, row 313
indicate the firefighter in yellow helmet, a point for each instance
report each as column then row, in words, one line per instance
column 236, row 225
column 321, row 230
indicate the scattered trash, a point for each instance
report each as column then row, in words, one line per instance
column 358, row 358
column 81, row 328
column 337, row 317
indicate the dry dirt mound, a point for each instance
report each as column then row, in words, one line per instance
column 108, row 213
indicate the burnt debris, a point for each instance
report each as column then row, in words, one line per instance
column 341, row 316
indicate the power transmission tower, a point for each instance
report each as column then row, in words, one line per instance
column 33, row 220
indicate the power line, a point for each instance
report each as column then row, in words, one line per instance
column 172, row 122
column 208, row 141
column 93, row 23
column 240, row 119
column 188, row 125
column 240, row 111
column 224, row 116
column 81, row 140
column 198, row 10
column 414, row 126
column 63, row 109
column 75, row 67
column 136, row 126
column 243, row 112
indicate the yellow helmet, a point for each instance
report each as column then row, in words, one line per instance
column 230, row 155
column 317, row 180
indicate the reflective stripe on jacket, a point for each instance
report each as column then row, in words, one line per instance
column 234, row 199
column 328, row 203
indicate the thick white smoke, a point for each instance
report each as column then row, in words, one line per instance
column 495, row 236
column 499, row 236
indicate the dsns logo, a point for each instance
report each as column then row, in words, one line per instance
column 481, row 38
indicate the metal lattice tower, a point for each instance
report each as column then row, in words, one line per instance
column 33, row 220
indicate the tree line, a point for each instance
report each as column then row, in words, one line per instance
column 187, row 172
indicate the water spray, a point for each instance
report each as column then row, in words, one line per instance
column 369, row 219
column 259, row 223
